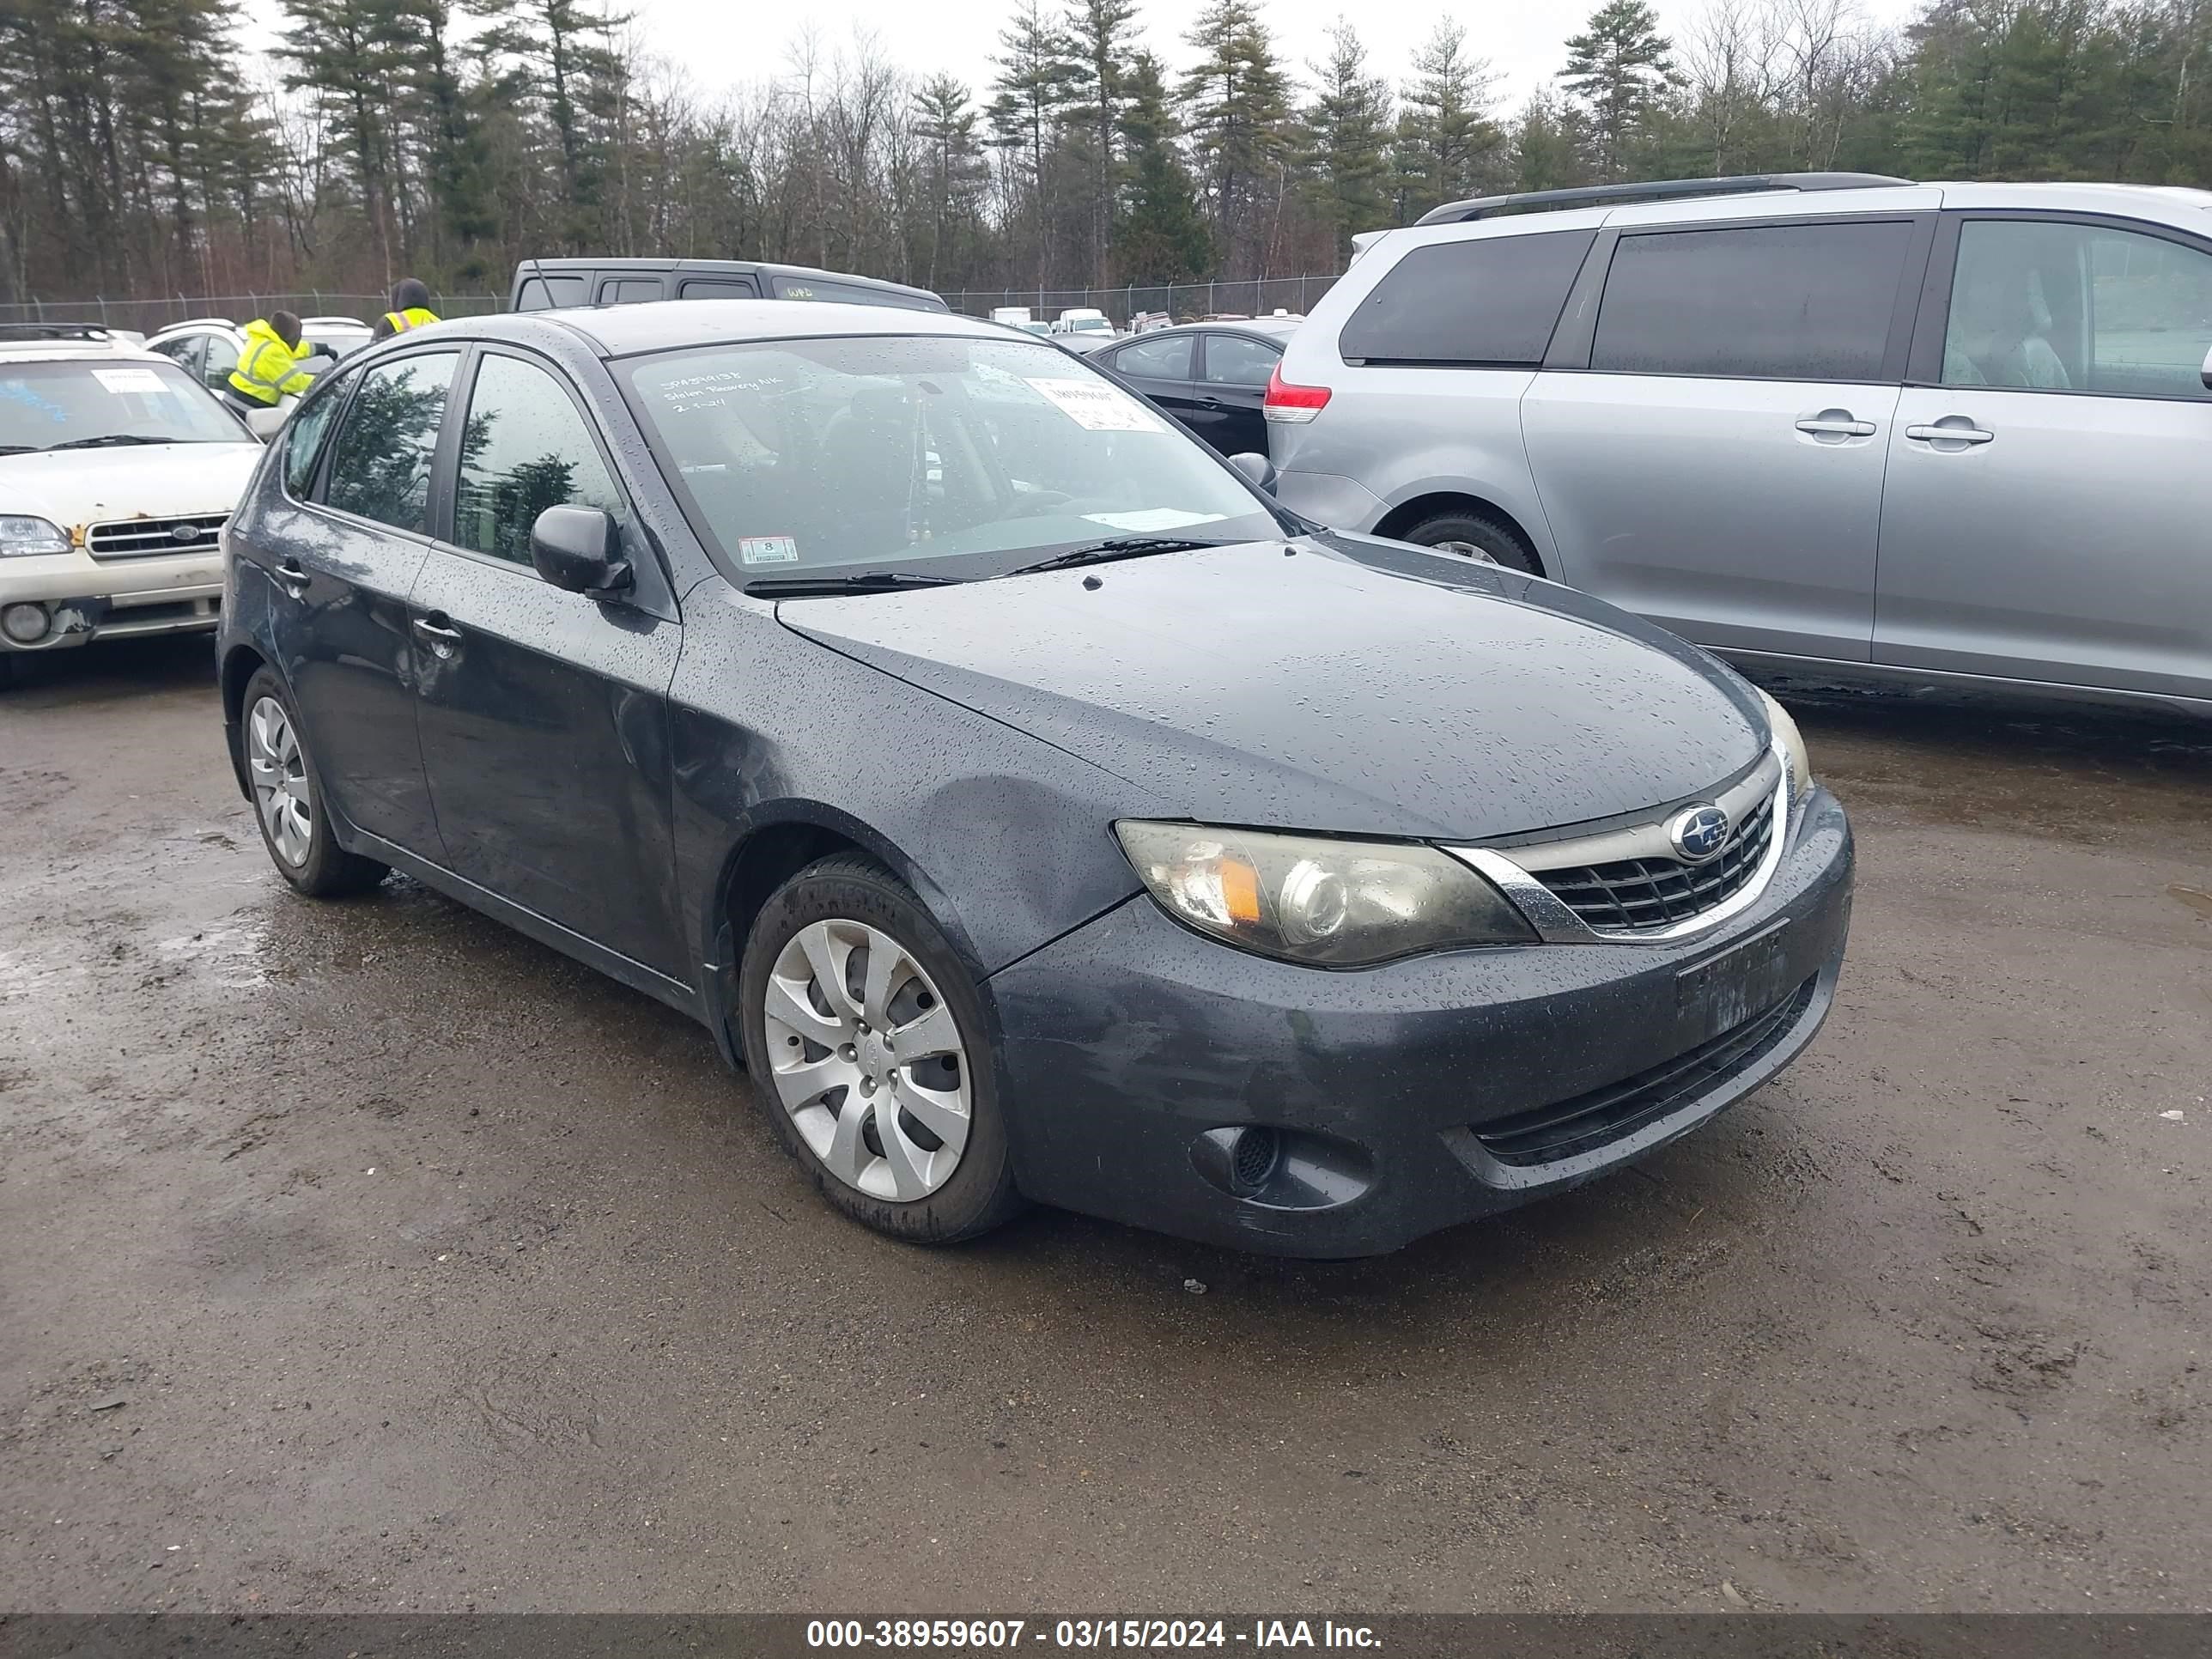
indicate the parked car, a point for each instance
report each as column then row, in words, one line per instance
column 544, row 284
column 1716, row 409
column 1084, row 329
column 1036, row 810
column 1211, row 377
column 209, row 348
column 117, row 470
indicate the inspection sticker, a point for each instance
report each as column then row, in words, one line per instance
column 128, row 382
column 1098, row 407
column 767, row 550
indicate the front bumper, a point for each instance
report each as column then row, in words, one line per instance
column 85, row 598
column 1403, row 1098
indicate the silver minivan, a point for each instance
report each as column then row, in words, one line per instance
column 1919, row 432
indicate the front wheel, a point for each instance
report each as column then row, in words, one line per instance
column 288, row 802
column 866, row 1038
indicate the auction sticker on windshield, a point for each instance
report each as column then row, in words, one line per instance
column 767, row 550
column 1095, row 406
column 129, row 382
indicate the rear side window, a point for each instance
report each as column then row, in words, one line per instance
column 1767, row 302
column 698, row 289
column 1239, row 360
column 1491, row 301
column 628, row 290
column 1167, row 359
column 381, row 459
column 545, row 293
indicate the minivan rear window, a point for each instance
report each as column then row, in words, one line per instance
column 1491, row 301
column 1770, row 302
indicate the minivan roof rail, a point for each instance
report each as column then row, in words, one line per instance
column 1655, row 190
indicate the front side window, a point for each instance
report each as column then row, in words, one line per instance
column 1770, row 302
column 1239, row 360
column 525, row 449
column 1167, row 359
column 381, row 458
column 104, row 404
column 1490, row 301
column 2039, row 306
column 952, row 456
column 303, row 439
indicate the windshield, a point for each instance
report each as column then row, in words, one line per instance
column 1089, row 324
column 44, row 405
column 959, row 458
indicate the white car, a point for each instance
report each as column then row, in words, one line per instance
column 117, row 471
column 208, row 347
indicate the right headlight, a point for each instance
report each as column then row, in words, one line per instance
column 1310, row 899
column 1793, row 744
column 27, row 536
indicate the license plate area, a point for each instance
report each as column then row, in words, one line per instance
column 1722, row 991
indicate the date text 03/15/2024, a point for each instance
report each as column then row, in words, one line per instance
column 973, row 1634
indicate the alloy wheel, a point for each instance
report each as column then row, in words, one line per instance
column 1465, row 549
column 867, row 1059
column 278, row 770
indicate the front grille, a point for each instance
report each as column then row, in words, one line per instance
column 1642, row 895
column 1591, row 1121
column 143, row 538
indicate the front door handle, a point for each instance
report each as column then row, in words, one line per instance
column 293, row 579
column 1966, row 432
column 1837, row 425
column 442, row 640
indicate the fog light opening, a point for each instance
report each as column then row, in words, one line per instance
column 25, row 624
column 1253, row 1156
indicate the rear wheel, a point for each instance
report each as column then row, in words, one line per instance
column 288, row 802
column 865, row 1037
column 1474, row 536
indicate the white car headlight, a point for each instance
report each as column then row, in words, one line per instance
column 1793, row 744
column 29, row 536
column 1309, row 899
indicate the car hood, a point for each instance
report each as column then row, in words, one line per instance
column 85, row 486
column 1355, row 686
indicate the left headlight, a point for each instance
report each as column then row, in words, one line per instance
column 1309, row 899
column 1793, row 744
column 30, row 536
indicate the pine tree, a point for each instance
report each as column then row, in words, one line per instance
column 1619, row 66
column 1098, row 36
column 1444, row 136
column 1160, row 236
column 945, row 126
column 1346, row 131
column 1032, row 88
column 1236, row 109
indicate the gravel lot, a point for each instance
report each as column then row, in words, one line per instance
column 366, row 1256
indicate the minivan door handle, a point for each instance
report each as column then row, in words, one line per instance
column 1837, row 423
column 1965, row 433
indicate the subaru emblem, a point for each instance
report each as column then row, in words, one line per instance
column 1698, row 833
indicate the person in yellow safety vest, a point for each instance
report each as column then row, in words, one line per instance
column 269, row 369
column 410, row 308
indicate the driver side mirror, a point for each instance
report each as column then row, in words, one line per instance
column 578, row 549
column 1256, row 469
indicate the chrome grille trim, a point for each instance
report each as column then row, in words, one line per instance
column 146, row 538
column 1515, row 871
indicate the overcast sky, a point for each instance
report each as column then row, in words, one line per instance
column 723, row 43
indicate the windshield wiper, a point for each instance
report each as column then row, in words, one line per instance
column 865, row 581
column 1122, row 547
column 107, row 439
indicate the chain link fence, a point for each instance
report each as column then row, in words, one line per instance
column 147, row 316
column 1183, row 302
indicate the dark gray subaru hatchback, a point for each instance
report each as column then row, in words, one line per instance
column 1032, row 808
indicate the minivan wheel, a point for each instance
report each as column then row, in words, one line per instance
column 1474, row 536
column 288, row 802
column 865, row 1038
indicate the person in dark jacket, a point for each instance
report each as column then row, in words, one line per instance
column 410, row 308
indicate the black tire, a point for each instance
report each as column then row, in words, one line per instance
column 325, row 869
column 979, row 1192
column 11, row 670
column 1500, row 544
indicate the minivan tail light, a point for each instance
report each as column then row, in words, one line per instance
column 1292, row 405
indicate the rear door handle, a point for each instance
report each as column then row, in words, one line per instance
column 1833, row 426
column 443, row 640
column 1953, row 435
column 293, row 579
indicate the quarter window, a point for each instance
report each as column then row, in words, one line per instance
column 546, row 292
column 1156, row 360
column 303, row 439
column 2037, row 306
column 1236, row 360
column 381, row 458
column 703, row 288
column 1493, row 300
column 525, row 449
column 1770, row 302
column 628, row 290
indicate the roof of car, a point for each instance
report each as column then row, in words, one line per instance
column 569, row 264
column 96, row 347
column 1275, row 329
column 667, row 325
